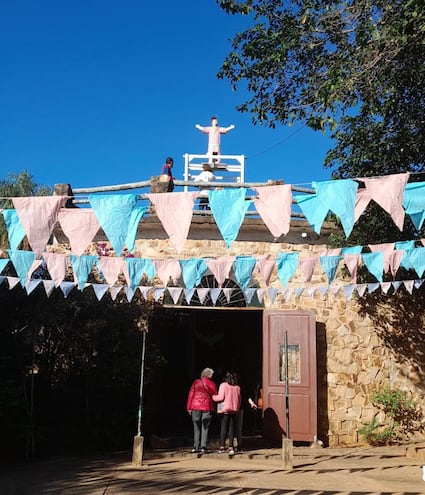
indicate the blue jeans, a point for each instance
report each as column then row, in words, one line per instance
column 201, row 423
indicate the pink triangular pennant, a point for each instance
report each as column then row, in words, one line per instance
column 38, row 215
column 309, row 291
column 385, row 287
column 274, row 206
column 12, row 281
column 111, row 267
column 220, row 268
column 57, row 265
column 352, row 261
column 307, row 266
column 265, row 266
column 80, row 225
column 202, row 294
column 286, row 294
column 334, row 289
column 114, row 291
column 361, row 289
column 49, row 285
column 409, row 285
column 388, row 192
column 175, row 212
column 166, row 268
column 145, row 291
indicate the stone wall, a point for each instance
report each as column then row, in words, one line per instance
column 354, row 359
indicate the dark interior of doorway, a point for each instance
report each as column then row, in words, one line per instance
column 192, row 339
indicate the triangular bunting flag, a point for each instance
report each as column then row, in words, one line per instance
column 372, row 287
column 418, row 283
column 129, row 292
column 396, row 286
column 114, row 291
column 158, row 292
column 202, row 294
column 385, row 287
column 49, row 285
column 188, row 294
column 66, row 288
column 298, row 291
column 409, row 285
column 145, row 291
column 100, row 290
column 175, row 293
column 12, row 282
column 249, row 293
column 22, row 261
column 273, row 292
column 31, row 285
column 348, row 291
column 214, row 293
column 260, row 294
column 228, row 293
column 361, row 289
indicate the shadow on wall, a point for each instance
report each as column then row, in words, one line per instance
column 399, row 320
column 322, row 384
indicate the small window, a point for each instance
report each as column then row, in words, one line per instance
column 294, row 364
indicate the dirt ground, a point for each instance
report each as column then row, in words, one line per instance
column 380, row 470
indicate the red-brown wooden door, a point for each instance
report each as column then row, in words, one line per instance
column 299, row 329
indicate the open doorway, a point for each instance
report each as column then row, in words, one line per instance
column 190, row 339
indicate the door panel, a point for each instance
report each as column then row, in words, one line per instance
column 300, row 329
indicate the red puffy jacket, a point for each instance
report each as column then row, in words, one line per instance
column 200, row 395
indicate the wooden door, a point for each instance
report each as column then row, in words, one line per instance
column 298, row 329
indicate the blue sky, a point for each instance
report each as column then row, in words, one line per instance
column 100, row 92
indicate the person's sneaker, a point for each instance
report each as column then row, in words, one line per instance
column 231, row 451
column 204, row 450
column 221, row 450
column 194, row 450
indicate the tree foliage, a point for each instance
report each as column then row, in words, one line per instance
column 16, row 185
column 354, row 68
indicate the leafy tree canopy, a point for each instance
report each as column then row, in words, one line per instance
column 354, row 68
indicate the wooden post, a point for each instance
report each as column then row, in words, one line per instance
column 64, row 190
column 287, row 453
column 138, row 451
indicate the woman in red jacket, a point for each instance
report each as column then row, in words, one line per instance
column 201, row 407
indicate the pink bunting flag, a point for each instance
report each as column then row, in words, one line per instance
column 57, row 265
column 307, row 266
column 175, row 212
column 80, row 226
column 265, row 266
column 38, row 215
column 352, row 261
column 166, row 269
column 388, row 192
column 220, row 268
column 274, row 206
column 111, row 268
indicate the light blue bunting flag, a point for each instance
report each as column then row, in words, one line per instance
column 193, row 271
column 243, row 267
column 329, row 265
column 287, row 264
column 375, row 264
column 228, row 207
column 15, row 231
column 414, row 202
column 82, row 266
column 338, row 196
column 114, row 213
column 22, row 261
column 137, row 267
column 352, row 250
column 414, row 259
column 136, row 215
